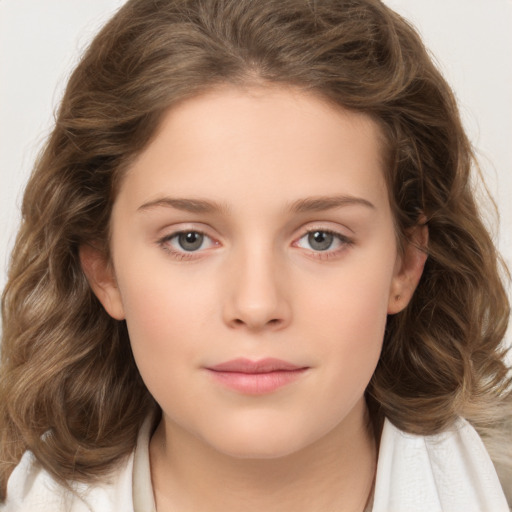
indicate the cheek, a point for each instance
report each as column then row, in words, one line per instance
column 165, row 316
column 350, row 333
column 353, row 300
column 348, row 318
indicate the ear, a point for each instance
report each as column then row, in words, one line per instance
column 100, row 274
column 408, row 269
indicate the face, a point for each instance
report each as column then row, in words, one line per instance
column 255, row 263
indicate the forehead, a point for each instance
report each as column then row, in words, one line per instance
column 271, row 142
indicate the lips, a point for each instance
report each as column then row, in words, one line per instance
column 256, row 377
column 243, row 365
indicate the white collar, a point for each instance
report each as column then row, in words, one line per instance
column 448, row 472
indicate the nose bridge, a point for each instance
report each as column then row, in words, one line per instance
column 257, row 297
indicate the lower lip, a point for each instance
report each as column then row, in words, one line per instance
column 257, row 383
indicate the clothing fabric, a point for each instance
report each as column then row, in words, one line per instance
column 448, row 472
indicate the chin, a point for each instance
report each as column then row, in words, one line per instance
column 265, row 447
column 261, row 441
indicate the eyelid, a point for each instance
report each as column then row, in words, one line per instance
column 163, row 242
column 345, row 241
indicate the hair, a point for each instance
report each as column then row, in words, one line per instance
column 69, row 388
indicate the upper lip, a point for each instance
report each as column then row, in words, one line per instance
column 243, row 365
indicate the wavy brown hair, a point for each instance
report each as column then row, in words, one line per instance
column 67, row 370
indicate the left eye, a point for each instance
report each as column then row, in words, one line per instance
column 189, row 241
column 320, row 240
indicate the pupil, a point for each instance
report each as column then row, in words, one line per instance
column 320, row 240
column 190, row 241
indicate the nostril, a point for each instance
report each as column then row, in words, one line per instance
column 272, row 322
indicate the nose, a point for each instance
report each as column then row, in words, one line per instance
column 256, row 295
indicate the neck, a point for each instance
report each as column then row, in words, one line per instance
column 335, row 473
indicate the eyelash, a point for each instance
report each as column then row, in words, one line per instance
column 344, row 241
column 181, row 255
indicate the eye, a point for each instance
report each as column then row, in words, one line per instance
column 187, row 241
column 190, row 241
column 320, row 240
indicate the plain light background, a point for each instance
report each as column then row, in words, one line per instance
column 40, row 41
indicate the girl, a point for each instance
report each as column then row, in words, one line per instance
column 251, row 262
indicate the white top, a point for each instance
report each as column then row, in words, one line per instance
column 449, row 472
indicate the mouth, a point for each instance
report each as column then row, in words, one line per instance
column 256, row 377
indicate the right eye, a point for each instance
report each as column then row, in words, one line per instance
column 189, row 241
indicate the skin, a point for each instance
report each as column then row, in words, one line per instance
column 258, row 287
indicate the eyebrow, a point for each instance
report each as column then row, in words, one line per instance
column 309, row 204
column 187, row 205
column 316, row 204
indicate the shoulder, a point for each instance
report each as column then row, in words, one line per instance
column 451, row 471
column 30, row 487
